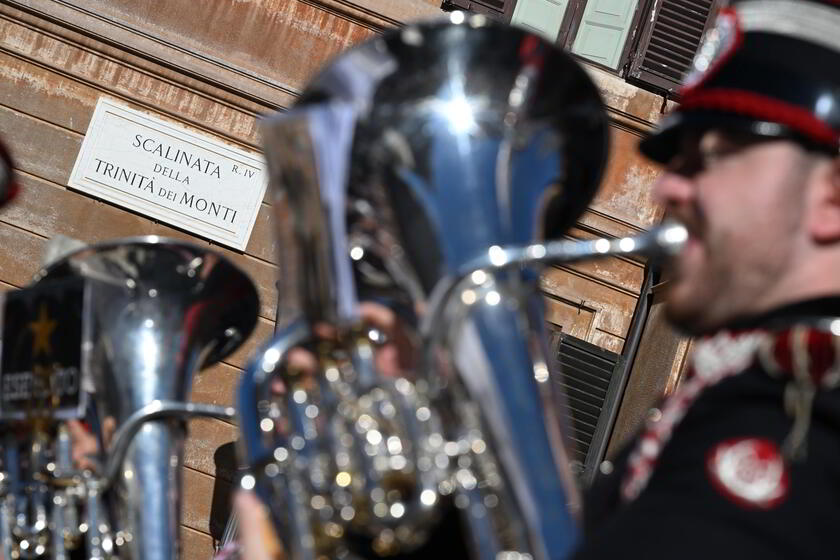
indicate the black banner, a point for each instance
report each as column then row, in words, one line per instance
column 42, row 351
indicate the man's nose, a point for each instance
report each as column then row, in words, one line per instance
column 672, row 189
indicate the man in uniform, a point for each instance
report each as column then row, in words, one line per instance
column 744, row 461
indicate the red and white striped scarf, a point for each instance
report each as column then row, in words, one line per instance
column 808, row 357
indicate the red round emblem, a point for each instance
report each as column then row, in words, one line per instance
column 749, row 471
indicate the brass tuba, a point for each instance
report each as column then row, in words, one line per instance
column 421, row 169
column 154, row 312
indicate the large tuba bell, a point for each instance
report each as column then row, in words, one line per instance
column 152, row 313
column 421, row 169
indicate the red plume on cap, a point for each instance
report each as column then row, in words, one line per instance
column 769, row 67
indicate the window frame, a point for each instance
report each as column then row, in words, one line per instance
column 571, row 23
column 477, row 6
column 638, row 37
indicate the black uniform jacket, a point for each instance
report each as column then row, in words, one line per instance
column 681, row 514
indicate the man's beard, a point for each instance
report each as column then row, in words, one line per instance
column 691, row 320
column 723, row 283
column 695, row 316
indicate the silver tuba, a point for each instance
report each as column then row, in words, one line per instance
column 421, row 169
column 155, row 312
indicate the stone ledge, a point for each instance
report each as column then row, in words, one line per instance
column 632, row 106
column 398, row 11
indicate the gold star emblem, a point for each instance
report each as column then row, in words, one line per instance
column 41, row 331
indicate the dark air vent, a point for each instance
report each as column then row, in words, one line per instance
column 589, row 381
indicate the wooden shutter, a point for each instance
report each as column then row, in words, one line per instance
column 590, row 379
column 544, row 17
column 669, row 41
column 603, row 30
column 497, row 9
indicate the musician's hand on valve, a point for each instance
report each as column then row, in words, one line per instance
column 84, row 445
column 257, row 538
column 394, row 355
column 395, row 350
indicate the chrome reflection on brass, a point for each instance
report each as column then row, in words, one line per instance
column 161, row 310
column 661, row 242
column 405, row 164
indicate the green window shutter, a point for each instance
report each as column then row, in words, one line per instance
column 603, row 30
column 540, row 16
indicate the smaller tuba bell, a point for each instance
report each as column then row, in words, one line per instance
column 152, row 312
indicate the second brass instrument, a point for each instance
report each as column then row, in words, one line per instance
column 155, row 312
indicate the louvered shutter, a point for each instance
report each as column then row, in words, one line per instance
column 590, row 380
column 497, row 9
column 668, row 42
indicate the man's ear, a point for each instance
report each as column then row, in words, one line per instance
column 825, row 216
